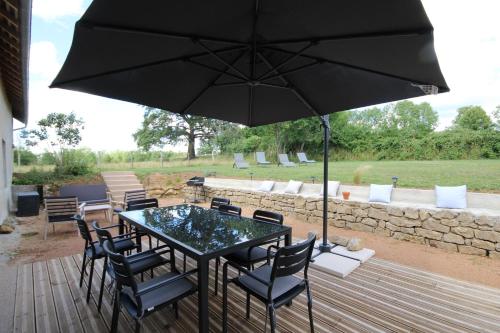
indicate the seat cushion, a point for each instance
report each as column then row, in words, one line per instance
column 121, row 245
column 241, row 256
column 61, row 218
column 139, row 265
column 156, row 297
column 281, row 286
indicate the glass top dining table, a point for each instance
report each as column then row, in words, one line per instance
column 203, row 234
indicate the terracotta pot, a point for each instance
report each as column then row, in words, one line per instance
column 346, row 195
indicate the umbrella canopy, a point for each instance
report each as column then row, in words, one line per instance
column 257, row 62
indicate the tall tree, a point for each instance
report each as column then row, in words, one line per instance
column 58, row 130
column 413, row 119
column 496, row 116
column 161, row 127
column 472, row 117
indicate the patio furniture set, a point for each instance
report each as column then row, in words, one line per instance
column 259, row 249
column 260, row 158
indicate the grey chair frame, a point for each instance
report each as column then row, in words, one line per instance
column 288, row 261
column 303, row 158
column 239, row 161
column 284, row 161
column 260, row 158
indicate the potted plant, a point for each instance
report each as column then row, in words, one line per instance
column 346, row 195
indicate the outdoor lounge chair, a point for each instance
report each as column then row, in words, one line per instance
column 95, row 197
column 239, row 161
column 303, row 158
column 283, row 160
column 260, row 156
column 249, row 256
column 61, row 210
column 274, row 284
column 140, row 299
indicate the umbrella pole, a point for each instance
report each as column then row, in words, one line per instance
column 325, row 123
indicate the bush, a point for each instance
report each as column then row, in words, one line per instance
column 33, row 177
column 75, row 162
column 25, row 156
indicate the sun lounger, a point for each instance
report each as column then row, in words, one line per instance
column 239, row 161
column 283, row 160
column 260, row 156
column 303, row 158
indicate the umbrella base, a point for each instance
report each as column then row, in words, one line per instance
column 325, row 247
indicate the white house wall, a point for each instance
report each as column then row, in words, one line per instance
column 5, row 154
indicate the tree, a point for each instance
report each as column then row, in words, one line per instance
column 496, row 116
column 412, row 119
column 59, row 130
column 472, row 117
column 161, row 127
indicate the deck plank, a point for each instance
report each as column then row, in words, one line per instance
column 46, row 318
column 24, row 319
column 67, row 315
column 8, row 284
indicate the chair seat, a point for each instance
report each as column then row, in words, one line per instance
column 282, row 285
column 156, row 297
column 61, row 218
column 241, row 256
column 92, row 208
column 142, row 265
column 117, row 210
column 121, row 245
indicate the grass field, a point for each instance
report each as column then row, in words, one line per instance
column 479, row 175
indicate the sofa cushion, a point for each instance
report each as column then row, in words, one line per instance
column 451, row 196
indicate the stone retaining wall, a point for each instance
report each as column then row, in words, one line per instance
column 451, row 230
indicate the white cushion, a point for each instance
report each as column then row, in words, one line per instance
column 293, row 187
column 451, row 196
column 266, row 186
column 333, row 188
column 380, row 193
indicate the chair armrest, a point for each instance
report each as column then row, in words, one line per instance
column 138, row 257
column 247, row 272
column 269, row 253
column 165, row 282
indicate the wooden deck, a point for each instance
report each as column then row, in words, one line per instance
column 378, row 297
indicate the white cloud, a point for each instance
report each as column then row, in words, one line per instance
column 53, row 9
column 43, row 60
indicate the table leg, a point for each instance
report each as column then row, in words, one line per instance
column 121, row 225
column 288, row 238
column 203, row 320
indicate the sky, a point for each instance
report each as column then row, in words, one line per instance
column 467, row 43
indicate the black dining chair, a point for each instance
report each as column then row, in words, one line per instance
column 249, row 256
column 216, row 202
column 140, row 205
column 140, row 299
column 93, row 250
column 230, row 209
column 274, row 284
column 139, row 262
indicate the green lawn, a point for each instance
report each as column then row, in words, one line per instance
column 479, row 175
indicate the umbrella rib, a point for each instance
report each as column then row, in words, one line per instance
column 350, row 66
column 154, row 32
column 149, row 64
column 292, row 57
column 243, row 76
column 209, row 85
column 214, row 69
column 297, row 69
column 378, row 34
column 290, row 86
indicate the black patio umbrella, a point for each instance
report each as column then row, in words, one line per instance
column 255, row 62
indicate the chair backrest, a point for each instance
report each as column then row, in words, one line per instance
column 261, row 157
column 283, row 158
column 302, row 157
column 216, row 202
column 142, row 204
column 292, row 259
column 103, row 235
column 61, row 208
column 134, row 195
column 86, row 193
column 238, row 157
column 229, row 209
column 84, row 229
column 266, row 216
column 123, row 274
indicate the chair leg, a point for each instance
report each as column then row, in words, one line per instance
column 224, row 298
column 116, row 311
column 84, row 265
column 89, row 289
column 217, row 264
column 45, row 233
column 272, row 318
column 184, row 264
column 309, row 306
column 137, row 326
column 248, row 305
column 103, row 280
column 176, row 310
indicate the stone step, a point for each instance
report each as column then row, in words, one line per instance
column 117, row 173
column 122, row 182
